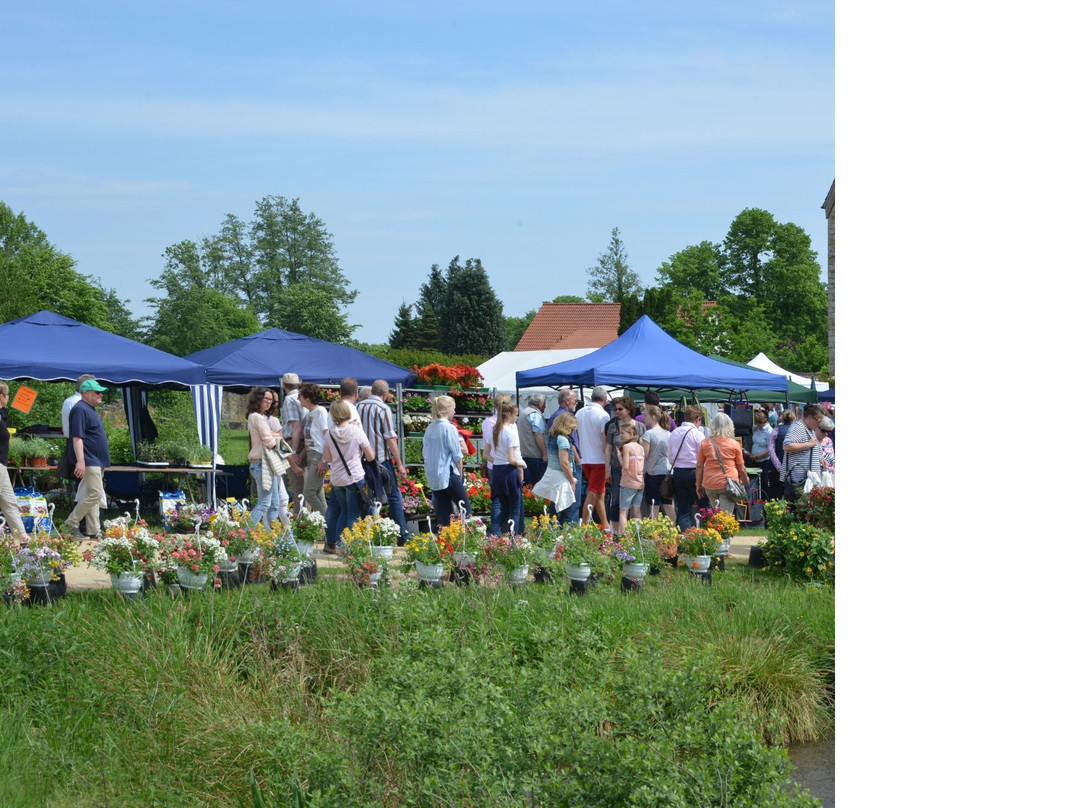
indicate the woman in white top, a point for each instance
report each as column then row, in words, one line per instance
column 345, row 442
column 260, row 434
column 315, row 423
column 655, row 441
column 507, row 468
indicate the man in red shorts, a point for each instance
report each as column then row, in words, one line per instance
column 591, row 422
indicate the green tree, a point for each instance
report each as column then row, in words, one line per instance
column 35, row 275
column 694, row 267
column 516, row 327
column 612, row 280
column 746, row 251
column 568, row 299
column 471, row 319
column 197, row 319
column 282, row 266
column 404, row 333
column 427, row 329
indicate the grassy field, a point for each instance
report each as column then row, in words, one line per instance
column 681, row 695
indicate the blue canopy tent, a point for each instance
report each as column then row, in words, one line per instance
column 51, row 348
column 646, row 357
column 262, row 359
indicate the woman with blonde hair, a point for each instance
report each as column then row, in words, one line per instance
column 720, row 456
column 442, row 461
column 507, row 469
column 559, row 485
column 344, row 445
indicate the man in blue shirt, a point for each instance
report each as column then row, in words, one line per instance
column 90, row 445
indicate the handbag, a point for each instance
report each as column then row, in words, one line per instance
column 65, row 464
column 667, row 485
column 363, row 493
column 732, row 487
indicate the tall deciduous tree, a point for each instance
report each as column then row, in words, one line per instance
column 35, row 275
column 282, row 266
column 516, row 327
column 612, row 280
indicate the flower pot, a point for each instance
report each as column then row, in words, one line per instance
column 41, row 579
column 128, row 582
column 174, row 590
column 634, row 570
column 384, row 552
column 183, row 530
column 464, row 559
column 229, row 565
column 249, row 556
column 13, row 581
column 191, row 580
column 37, row 462
column 291, row 573
column 518, row 575
column 578, row 572
column 306, row 548
column 700, row 563
column 373, row 580
column 429, row 572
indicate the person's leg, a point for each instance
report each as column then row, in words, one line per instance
column 515, row 506
column 685, row 497
column 394, row 502
column 614, row 493
column 333, row 518
column 9, row 505
column 262, row 498
column 573, row 513
column 87, row 507
column 534, row 470
column 276, row 509
column 459, row 494
column 498, row 526
column 314, row 494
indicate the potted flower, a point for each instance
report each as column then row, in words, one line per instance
column 697, row 546
column 479, row 491
column 49, row 555
column 361, row 562
column 465, row 537
column 637, row 556
column 13, row 566
column 511, row 555
column 196, row 558
column 428, row 553
column 582, row 548
column 413, row 499
column 455, row 378
column 186, row 516
column 238, row 542
column 385, row 534
column 664, row 536
column 151, row 453
column 309, row 528
column 125, row 558
column 723, row 523
column 282, row 559
column 533, row 505
column 33, row 450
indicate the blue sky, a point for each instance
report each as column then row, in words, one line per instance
column 517, row 134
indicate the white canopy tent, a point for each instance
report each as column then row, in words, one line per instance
column 500, row 372
column 762, row 362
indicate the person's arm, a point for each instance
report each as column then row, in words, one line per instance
column 541, row 441
column 80, row 460
column 699, row 473
column 647, row 446
column 624, row 455
column 566, row 466
column 395, row 454
column 744, row 478
column 262, row 431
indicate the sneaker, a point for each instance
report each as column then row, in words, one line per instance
column 329, row 550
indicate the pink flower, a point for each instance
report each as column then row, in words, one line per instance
column 194, row 567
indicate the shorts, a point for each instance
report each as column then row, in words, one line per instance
column 595, row 476
column 630, row 498
column 652, row 490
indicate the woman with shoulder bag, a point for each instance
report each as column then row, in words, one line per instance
column 261, row 434
column 344, row 446
column 802, row 453
column 721, row 473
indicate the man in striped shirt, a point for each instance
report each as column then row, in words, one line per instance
column 682, row 453
column 378, row 424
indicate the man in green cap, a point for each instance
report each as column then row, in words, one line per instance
column 90, row 445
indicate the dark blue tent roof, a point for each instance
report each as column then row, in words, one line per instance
column 645, row 356
column 263, row 358
column 49, row 347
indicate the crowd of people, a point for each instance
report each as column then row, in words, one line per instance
column 607, row 462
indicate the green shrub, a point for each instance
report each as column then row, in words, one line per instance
column 798, row 549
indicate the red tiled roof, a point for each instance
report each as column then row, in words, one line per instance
column 571, row 325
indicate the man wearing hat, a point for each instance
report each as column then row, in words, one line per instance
column 90, row 445
column 292, row 416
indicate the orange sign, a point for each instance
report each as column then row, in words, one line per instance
column 24, row 399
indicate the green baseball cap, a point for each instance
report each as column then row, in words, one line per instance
column 91, row 384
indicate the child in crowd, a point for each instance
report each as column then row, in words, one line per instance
column 632, row 484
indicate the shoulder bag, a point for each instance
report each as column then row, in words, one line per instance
column 732, row 487
column 667, row 485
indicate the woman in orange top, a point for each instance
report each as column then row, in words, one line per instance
column 712, row 470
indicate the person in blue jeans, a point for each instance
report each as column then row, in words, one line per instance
column 682, row 454
column 345, row 444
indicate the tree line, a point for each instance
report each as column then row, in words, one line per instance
column 757, row 290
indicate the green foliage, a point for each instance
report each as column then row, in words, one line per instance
column 35, row 275
column 281, row 269
column 612, row 280
column 694, row 267
column 190, row 320
column 465, row 696
column 795, row 548
column 404, row 334
column 407, row 357
column 516, row 327
column 568, row 299
column 471, row 317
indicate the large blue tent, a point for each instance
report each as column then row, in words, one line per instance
column 51, row 348
column 263, row 358
column 645, row 356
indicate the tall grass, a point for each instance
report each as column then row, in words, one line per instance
column 461, row 696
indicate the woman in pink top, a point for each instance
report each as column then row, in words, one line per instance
column 344, row 444
column 260, row 434
column 632, row 482
column 713, row 469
